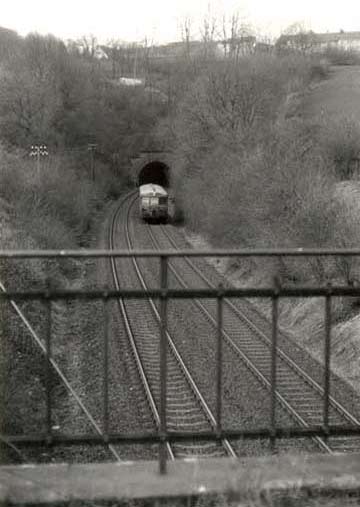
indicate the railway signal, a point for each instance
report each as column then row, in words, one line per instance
column 38, row 151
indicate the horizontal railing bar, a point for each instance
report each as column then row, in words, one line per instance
column 176, row 436
column 267, row 292
column 244, row 252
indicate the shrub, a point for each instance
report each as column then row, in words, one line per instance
column 341, row 145
column 320, row 68
column 341, row 56
column 41, row 204
column 246, row 176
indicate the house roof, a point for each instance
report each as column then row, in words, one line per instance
column 246, row 39
column 320, row 37
column 335, row 36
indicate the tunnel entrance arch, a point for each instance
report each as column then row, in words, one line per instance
column 156, row 172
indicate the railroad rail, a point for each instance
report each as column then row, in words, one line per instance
column 307, row 402
column 174, row 398
column 329, row 422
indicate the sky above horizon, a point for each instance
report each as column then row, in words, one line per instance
column 160, row 20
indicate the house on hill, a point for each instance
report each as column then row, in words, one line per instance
column 341, row 40
column 311, row 41
column 174, row 50
column 264, row 47
column 228, row 48
column 237, row 46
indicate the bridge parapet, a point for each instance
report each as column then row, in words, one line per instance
column 285, row 479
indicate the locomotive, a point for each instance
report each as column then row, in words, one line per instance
column 153, row 202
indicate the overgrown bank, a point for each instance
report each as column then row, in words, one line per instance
column 252, row 171
column 53, row 209
column 52, row 96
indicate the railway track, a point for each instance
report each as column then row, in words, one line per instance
column 297, row 392
column 186, row 409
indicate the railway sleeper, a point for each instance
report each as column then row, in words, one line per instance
column 174, row 388
column 180, row 411
column 294, row 390
column 174, row 393
column 187, row 405
column 173, row 382
column 195, row 422
column 199, row 454
column 192, row 415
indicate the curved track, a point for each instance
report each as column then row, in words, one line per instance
column 297, row 392
column 186, row 407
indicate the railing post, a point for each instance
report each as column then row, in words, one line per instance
column 48, row 374
column 220, row 297
column 327, row 352
column 106, row 366
column 275, row 311
column 163, row 362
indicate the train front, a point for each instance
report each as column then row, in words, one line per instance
column 153, row 202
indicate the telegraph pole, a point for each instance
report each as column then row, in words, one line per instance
column 92, row 148
column 38, row 151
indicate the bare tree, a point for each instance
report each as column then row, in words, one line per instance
column 31, row 93
column 146, row 54
column 115, row 52
column 10, row 44
column 229, row 39
column 208, row 34
column 236, row 37
column 88, row 45
column 186, row 35
column 297, row 37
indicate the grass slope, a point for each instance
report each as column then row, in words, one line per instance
column 337, row 96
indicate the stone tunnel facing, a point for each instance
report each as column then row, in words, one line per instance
column 154, row 172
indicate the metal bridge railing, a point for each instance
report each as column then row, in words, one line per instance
column 164, row 293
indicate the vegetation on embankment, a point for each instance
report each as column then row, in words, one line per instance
column 53, row 96
column 251, row 172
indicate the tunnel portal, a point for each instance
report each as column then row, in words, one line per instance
column 154, row 172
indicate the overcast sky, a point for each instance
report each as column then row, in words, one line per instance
column 159, row 20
